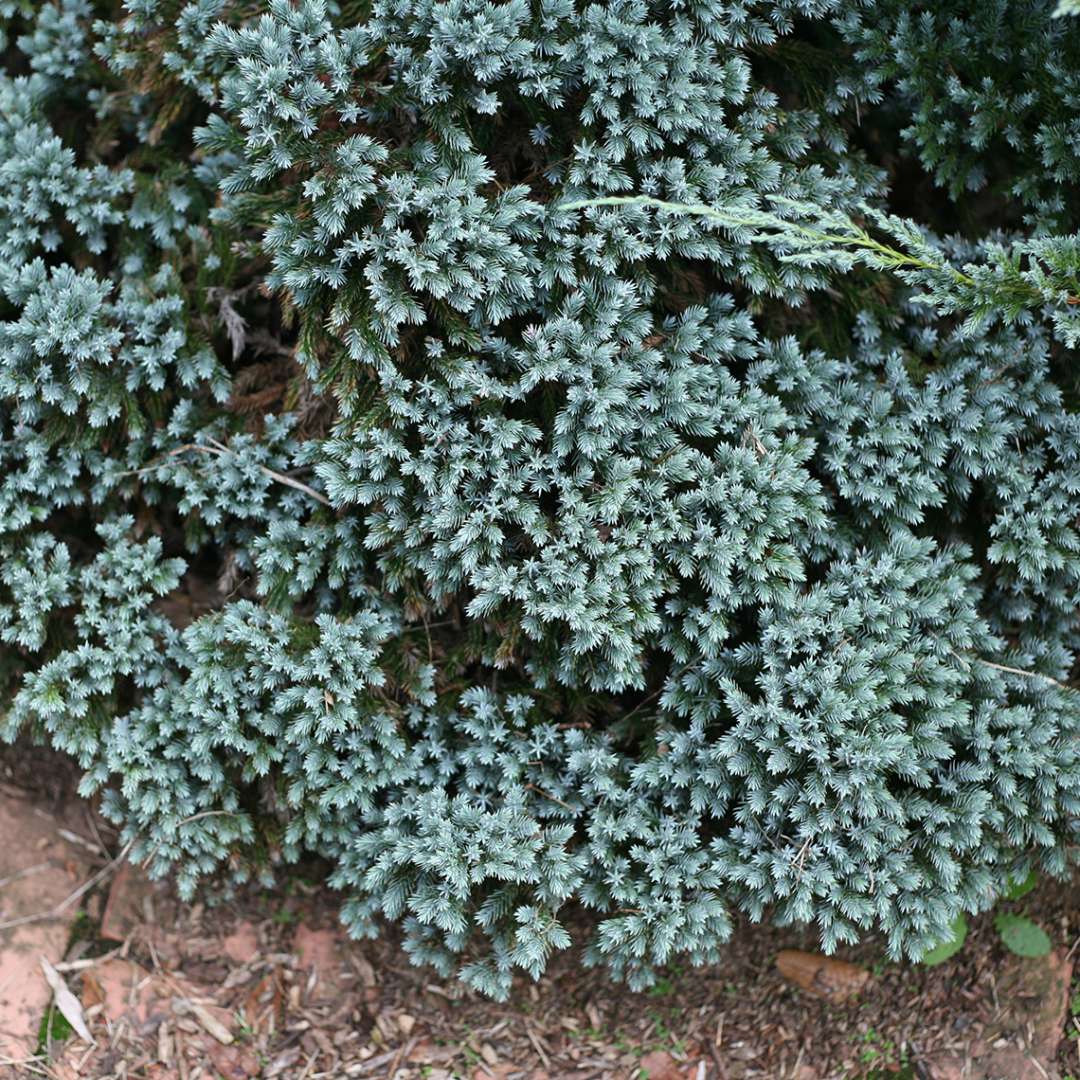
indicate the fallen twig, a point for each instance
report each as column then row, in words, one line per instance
column 544, row 1059
column 28, row 872
column 403, row 1051
column 68, row 966
column 81, row 841
column 223, row 451
column 371, row 1064
column 85, row 887
column 1014, row 670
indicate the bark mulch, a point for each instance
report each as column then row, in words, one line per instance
column 265, row 984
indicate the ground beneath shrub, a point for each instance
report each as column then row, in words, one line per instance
column 264, row 984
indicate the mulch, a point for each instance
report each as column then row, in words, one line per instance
column 263, row 983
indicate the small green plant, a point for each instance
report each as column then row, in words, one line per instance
column 880, row 966
column 880, row 1057
column 1018, row 933
column 870, row 1053
column 1021, row 936
column 53, row 1029
column 900, row 1072
column 1020, row 888
column 951, row 946
column 665, row 1037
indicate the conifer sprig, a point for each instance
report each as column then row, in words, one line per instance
column 1000, row 280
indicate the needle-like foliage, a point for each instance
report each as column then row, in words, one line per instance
column 544, row 455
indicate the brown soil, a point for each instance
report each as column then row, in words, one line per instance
column 265, row 984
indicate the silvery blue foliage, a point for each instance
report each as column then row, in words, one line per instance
column 495, row 447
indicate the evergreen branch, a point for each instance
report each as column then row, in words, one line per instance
column 775, row 231
column 1004, row 281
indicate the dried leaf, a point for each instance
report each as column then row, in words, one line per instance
column 212, row 1024
column 67, row 1002
column 235, row 324
column 836, row 980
